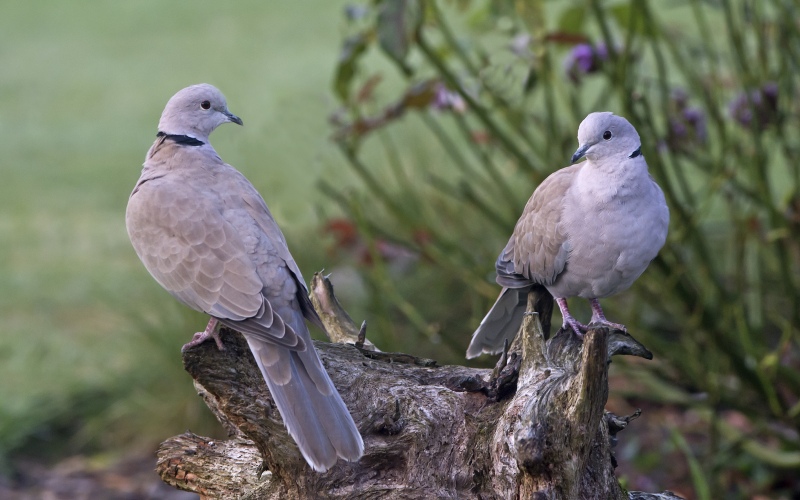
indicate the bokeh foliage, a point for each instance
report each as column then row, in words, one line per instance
column 90, row 351
column 453, row 111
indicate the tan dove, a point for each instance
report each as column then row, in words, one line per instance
column 589, row 230
column 208, row 238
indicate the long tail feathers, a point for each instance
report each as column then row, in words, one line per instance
column 501, row 322
column 311, row 408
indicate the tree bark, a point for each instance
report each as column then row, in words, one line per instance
column 534, row 427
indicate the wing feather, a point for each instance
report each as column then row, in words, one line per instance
column 538, row 249
column 199, row 256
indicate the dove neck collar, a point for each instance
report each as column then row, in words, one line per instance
column 636, row 153
column 181, row 139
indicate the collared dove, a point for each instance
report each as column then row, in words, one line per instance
column 589, row 230
column 208, row 238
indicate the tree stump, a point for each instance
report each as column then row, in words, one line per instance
column 535, row 427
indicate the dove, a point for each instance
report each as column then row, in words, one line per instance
column 206, row 235
column 589, row 230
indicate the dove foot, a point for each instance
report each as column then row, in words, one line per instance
column 599, row 317
column 573, row 324
column 570, row 323
column 610, row 325
column 211, row 332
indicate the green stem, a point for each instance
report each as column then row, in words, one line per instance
column 498, row 100
column 480, row 112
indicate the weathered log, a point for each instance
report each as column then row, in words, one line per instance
column 338, row 324
column 533, row 428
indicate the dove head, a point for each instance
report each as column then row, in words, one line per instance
column 196, row 111
column 606, row 135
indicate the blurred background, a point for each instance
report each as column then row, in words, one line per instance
column 396, row 143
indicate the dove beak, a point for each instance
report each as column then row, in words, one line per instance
column 233, row 118
column 580, row 152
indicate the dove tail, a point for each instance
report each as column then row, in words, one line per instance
column 311, row 408
column 501, row 322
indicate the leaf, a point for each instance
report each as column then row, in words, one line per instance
column 397, row 24
column 622, row 15
column 531, row 79
column 571, row 20
column 702, row 488
column 352, row 50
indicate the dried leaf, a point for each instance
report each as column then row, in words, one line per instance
column 365, row 92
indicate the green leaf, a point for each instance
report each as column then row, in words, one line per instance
column 530, row 81
column 397, row 24
column 352, row 50
column 701, row 486
column 571, row 20
column 622, row 15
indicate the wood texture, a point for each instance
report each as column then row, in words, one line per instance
column 534, row 427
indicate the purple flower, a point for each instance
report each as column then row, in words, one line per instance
column 740, row 110
column 520, row 45
column 696, row 120
column 585, row 59
column 687, row 125
column 770, row 92
column 677, row 128
column 761, row 104
column 444, row 98
column 679, row 98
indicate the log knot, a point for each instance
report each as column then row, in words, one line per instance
column 390, row 422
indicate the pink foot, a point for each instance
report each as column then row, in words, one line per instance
column 569, row 321
column 211, row 332
column 599, row 317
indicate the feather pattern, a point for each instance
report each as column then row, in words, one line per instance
column 206, row 235
column 589, row 230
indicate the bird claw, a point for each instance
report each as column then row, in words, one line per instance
column 599, row 318
column 211, row 332
column 576, row 327
column 615, row 326
column 581, row 329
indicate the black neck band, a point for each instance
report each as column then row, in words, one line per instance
column 636, row 153
column 181, row 139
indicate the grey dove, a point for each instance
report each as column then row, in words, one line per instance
column 206, row 235
column 589, row 230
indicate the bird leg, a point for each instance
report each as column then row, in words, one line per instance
column 211, row 332
column 569, row 320
column 599, row 317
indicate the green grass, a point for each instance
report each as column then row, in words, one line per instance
column 90, row 348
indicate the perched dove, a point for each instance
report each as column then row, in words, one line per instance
column 589, row 230
column 208, row 238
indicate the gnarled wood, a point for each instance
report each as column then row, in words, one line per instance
column 533, row 428
column 338, row 324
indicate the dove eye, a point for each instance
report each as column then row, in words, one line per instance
column 205, row 104
column 607, row 135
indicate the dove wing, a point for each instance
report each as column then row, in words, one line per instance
column 194, row 252
column 538, row 249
